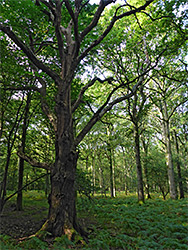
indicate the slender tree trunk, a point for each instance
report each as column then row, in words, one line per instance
column 21, row 161
column 179, row 169
column 140, row 188
column 20, row 184
column 110, row 158
column 145, row 147
column 125, row 173
column 26, row 181
column 101, row 175
column 10, row 142
column 87, row 163
column 147, row 182
column 112, row 186
column 93, row 173
column 102, row 187
column 169, row 162
column 3, row 188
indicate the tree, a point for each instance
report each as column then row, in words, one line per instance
column 166, row 83
column 21, row 161
column 157, row 171
column 146, row 138
column 125, row 63
column 66, row 32
column 9, row 141
column 178, row 133
column 180, row 182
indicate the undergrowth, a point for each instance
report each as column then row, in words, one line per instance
column 121, row 223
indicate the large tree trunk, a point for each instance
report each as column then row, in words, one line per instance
column 62, row 211
column 140, row 188
column 62, row 217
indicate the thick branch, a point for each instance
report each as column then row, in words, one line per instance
column 69, row 8
column 57, row 24
column 33, row 162
column 110, row 26
column 96, row 17
column 82, row 91
column 74, row 17
column 174, row 109
column 45, row 107
column 103, row 110
column 28, row 52
column 108, row 106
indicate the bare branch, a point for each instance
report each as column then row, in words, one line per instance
column 68, row 36
column 185, row 64
column 69, row 8
column 51, row 7
column 51, row 116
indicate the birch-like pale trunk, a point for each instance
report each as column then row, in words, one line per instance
column 169, row 161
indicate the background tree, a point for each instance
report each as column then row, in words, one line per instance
column 167, row 103
column 21, row 161
column 140, row 33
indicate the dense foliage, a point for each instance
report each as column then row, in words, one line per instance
column 94, row 101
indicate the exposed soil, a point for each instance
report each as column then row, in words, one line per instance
column 18, row 224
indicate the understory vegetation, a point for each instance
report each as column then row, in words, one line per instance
column 93, row 124
column 112, row 223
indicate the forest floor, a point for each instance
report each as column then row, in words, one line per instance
column 114, row 224
column 18, row 224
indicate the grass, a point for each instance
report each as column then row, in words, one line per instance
column 120, row 223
